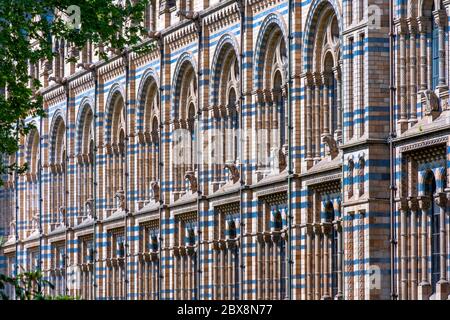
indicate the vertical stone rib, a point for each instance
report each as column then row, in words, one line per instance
column 403, row 250
column 414, row 246
column 413, row 72
column 308, row 84
column 403, row 99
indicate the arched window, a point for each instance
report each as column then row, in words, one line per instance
column 115, row 265
column 271, row 249
column 86, row 264
column 148, row 157
column 58, row 172
column 226, row 252
column 335, row 237
column 185, row 257
column 434, row 214
column 323, row 112
column 116, row 155
column 420, row 71
column 85, row 161
column 271, row 108
column 185, row 140
column 148, row 273
column 32, row 177
column 224, row 146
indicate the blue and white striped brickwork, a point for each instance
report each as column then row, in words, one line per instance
column 339, row 196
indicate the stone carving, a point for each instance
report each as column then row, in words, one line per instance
column 12, row 229
column 278, row 159
column 120, row 196
column 62, row 214
column 332, row 145
column 154, row 190
column 431, row 102
column 190, row 177
column 234, row 174
column 88, row 205
column 35, row 222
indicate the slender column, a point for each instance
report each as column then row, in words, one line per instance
column 326, row 228
column 275, row 130
column 215, row 273
column 413, row 71
column 260, row 267
column 403, row 250
column 337, row 76
column 176, row 270
column 423, row 53
column 403, row 108
column 309, row 262
column 260, row 127
column 326, row 107
column 440, row 18
column 267, row 270
column 340, row 253
column 146, row 280
column 413, row 205
column 308, row 84
column 317, row 271
column 442, row 287
column 316, row 113
column 222, row 274
column 274, row 269
column 182, row 276
column 424, row 286
column 268, row 106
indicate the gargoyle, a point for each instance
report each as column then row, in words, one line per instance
column 154, row 186
column 88, row 206
column 332, row 145
column 431, row 102
column 120, row 195
column 234, row 171
column 190, row 176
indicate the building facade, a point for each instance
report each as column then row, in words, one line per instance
column 246, row 156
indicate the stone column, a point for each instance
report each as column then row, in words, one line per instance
column 403, row 107
column 340, row 253
column 326, row 106
column 424, row 285
column 413, row 71
column 309, row 262
column 441, row 20
column 308, row 109
column 337, row 76
column 317, row 110
column 414, row 207
column 403, row 249
column 442, row 287
column 326, row 230
column 423, row 30
column 317, row 271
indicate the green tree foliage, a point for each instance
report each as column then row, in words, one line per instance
column 26, row 32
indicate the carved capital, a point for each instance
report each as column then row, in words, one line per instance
column 413, row 203
column 441, row 199
column 326, row 228
column 440, row 17
column 424, row 203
